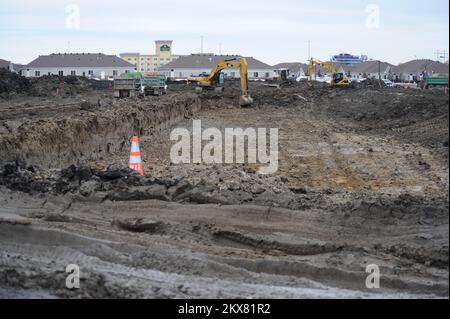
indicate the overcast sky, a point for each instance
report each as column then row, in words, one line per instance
column 272, row 31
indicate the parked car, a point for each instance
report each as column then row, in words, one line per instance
column 388, row 83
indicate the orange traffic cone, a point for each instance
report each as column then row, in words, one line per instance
column 135, row 156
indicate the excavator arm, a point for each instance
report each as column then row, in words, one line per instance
column 213, row 78
column 338, row 79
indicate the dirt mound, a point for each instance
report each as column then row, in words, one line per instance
column 12, row 84
column 93, row 131
column 47, row 85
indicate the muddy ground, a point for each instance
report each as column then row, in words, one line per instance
column 362, row 179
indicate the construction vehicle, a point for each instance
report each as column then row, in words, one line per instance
column 153, row 85
column 282, row 74
column 127, row 85
column 215, row 77
column 337, row 78
column 134, row 84
column 435, row 80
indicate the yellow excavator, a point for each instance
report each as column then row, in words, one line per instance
column 213, row 79
column 337, row 78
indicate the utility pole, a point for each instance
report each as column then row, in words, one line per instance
column 441, row 55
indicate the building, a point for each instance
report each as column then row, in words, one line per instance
column 202, row 63
column 348, row 59
column 77, row 64
column 415, row 70
column 5, row 64
column 371, row 70
column 151, row 62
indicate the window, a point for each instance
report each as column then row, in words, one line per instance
column 255, row 74
column 37, row 73
column 60, row 73
column 181, row 74
column 267, row 74
column 84, row 73
column 49, row 73
column 114, row 72
column 73, row 73
column 90, row 72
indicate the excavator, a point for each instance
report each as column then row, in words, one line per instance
column 337, row 79
column 210, row 81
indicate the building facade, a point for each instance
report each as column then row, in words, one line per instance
column 149, row 63
column 95, row 65
column 202, row 63
column 348, row 59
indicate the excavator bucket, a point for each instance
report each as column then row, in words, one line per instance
column 245, row 100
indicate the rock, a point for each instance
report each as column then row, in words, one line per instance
column 111, row 174
column 140, row 193
column 88, row 187
column 257, row 189
column 179, row 189
column 140, row 225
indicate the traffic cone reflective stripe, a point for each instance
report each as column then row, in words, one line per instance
column 135, row 162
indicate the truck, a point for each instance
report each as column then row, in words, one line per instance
column 127, row 85
column 134, row 84
column 435, row 80
column 153, row 85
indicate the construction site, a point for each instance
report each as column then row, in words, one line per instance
column 362, row 180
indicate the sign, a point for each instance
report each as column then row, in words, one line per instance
column 164, row 48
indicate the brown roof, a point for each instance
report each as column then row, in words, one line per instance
column 337, row 66
column 419, row 66
column 370, row 67
column 207, row 61
column 79, row 60
column 4, row 64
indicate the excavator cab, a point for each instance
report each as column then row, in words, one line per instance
column 339, row 79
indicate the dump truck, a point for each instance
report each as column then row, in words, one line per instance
column 437, row 80
column 153, row 85
column 135, row 84
column 127, row 85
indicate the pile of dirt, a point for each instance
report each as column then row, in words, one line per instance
column 48, row 85
column 414, row 116
column 123, row 184
column 12, row 84
column 93, row 131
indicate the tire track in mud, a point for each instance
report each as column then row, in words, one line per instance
column 263, row 244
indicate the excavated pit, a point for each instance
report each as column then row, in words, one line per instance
column 362, row 179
